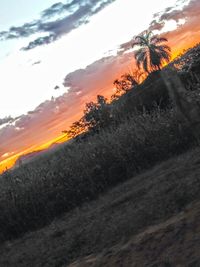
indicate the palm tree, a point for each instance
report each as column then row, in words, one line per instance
column 153, row 52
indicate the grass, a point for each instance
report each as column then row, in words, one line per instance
column 34, row 194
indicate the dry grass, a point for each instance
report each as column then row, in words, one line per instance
column 32, row 195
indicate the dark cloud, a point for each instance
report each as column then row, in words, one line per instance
column 23, row 31
column 174, row 13
column 39, row 41
column 59, row 8
column 56, row 21
column 6, row 120
column 36, row 62
column 156, row 25
column 55, row 9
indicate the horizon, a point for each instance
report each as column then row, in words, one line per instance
column 42, row 64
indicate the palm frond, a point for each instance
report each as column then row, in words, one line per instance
column 145, row 64
column 158, row 40
column 165, row 47
column 136, row 43
column 141, row 39
column 148, row 35
column 164, row 50
column 155, row 59
column 165, row 56
column 138, row 52
column 140, row 59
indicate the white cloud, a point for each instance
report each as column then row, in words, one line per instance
column 6, row 155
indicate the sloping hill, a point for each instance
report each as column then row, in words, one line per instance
column 175, row 242
column 145, row 221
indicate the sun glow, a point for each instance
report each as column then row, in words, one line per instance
column 11, row 160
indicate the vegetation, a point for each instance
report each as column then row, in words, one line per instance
column 127, row 82
column 96, row 116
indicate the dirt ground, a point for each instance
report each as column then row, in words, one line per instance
column 175, row 242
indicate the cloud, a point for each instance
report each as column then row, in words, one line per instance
column 156, row 25
column 98, row 77
column 188, row 12
column 6, row 155
column 22, row 31
column 39, row 41
column 6, row 120
column 56, row 21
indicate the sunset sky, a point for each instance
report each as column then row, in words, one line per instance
column 80, row 46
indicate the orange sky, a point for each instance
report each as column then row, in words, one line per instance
column 43, row 126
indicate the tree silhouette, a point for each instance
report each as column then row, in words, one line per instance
column 75, row 129
column 127, row 81
column 153, row 51
column 97, row 115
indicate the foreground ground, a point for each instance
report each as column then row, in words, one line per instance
column 152, row 220
column 175, row 242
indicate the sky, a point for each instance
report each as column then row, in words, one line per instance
column 81, row 46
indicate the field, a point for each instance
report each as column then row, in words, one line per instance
column 118, row 225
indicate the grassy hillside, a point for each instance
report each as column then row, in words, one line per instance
column 144, row 130
column 107, row 229
column 37, row 192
